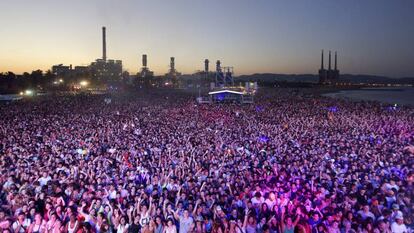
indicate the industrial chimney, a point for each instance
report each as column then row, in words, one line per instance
column 322, row 66
column 104, row 43
column 144, row 60
column 329, row 66
column 206, row 65
column 172, row 64
column 336, row 71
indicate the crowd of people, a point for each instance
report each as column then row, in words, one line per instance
column 160, row 163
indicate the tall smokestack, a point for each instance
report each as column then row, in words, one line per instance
column 144, row 60
column 322, row 66
column 172, row 63
column 218, row 66
column 329, row 67
column 336, row 68
column 206, row 65
column 104, row 43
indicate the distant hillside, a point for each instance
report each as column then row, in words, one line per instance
column 267, row 77
column 311, row 78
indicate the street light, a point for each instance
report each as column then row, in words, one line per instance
column 83, row 83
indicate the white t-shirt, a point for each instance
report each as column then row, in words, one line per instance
column 112, row 195
column 185, row 224
column 270, row 203
column 396, row 228
column 121, row 228
column 257, row 201
column 171, row 229
column 43, row 181
column 390, row 186
column 26, row 224
column 7, row 184
column 395, row 214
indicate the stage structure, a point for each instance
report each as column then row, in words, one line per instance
column 223, row 89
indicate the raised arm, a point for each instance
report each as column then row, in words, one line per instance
column 319, row 212
column 120, row 209
column 111, row 209
column 246, row 217
column 229, row 186
column 139, row 204
column 129, row 214
column 202, row 186
column 150, row 204
column 164, row 207
column 176, row 216
column 196, row 206
column 282, row 220
column 296, row 220
column 177, row 199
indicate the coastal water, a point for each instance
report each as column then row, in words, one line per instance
column 391, row 95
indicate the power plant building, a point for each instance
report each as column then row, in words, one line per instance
column 61, row 70
column 66, row 71
column 103, row 69
column 172, row 73
column 110, row 70
column 145, row 71
column 328, row 76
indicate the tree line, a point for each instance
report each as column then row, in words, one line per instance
column 11, row 83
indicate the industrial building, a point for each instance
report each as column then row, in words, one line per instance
column 61, row 70
column 145, row 71
column 81, row 70
column 103, row 69
column 199, row 79
column 329, row 76
column 172, row 75
column 106, row 70
column 145, row 77
column 172, row 72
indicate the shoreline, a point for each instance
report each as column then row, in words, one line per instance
column 391, row 95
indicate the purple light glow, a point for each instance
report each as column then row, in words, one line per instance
column 263, row 139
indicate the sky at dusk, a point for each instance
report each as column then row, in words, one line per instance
column 254, row 36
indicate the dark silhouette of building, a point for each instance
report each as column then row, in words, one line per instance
column 335, row 75
column 104, row 43
column 172, row 72
column 330, row 75
column 81, row 70
column 145, row 71
column 110, row 70
column 206, row 68
column 63, row 71
column 145, row 77
column 172, row 75
column 224, row 75
column 103, row 69
column 206, row 73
